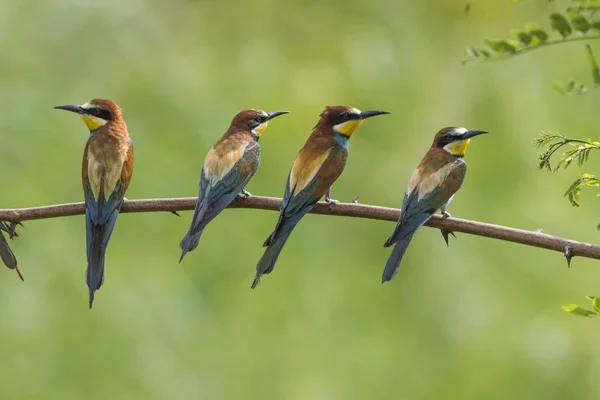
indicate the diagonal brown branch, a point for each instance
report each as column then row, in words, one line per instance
column 570, row 247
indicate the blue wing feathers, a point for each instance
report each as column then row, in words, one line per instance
column 293, row 209
column 393, row 262
column 214, row 199
column 6, row 253
column 267, row 261
column 99, row 227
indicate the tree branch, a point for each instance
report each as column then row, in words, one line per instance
column 568, row 247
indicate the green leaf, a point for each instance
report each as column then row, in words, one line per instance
column 576, row 310
column 532, row 26
column 538, row 36
column 558, row 87
column 524, row 38
column 472, row 52
column 593, row 183
column 596, row 304
column 501, row 47
column 572, row 87
column 560, row 24
column 573, row 193
column 593, row 65
column 588, row 4
column 579, row 22
column 586, row 180
column 477, row 54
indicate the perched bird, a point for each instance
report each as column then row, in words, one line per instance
column 106, row 171
column 318, row 164
column 431, row 187
column 6, row 254
column 228, row 167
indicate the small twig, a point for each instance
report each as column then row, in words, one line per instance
column 529, row 238
column 522, row 50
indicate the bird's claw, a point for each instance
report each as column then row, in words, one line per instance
column 12, row 230
column 175, row 213
column 569, row 255
column 446, row 234
column 331, row 202
column 445, row 215
column 246, row 193
column 355, row 201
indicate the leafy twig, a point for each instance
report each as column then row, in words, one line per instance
column 577, row 310
column 532, row 37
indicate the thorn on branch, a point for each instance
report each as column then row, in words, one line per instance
column 569, row 255
column 446, row 234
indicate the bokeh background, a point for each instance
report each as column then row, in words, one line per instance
column 479, row 319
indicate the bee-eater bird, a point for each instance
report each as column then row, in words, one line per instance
column 318, row 164
column 106, row 171
column 6, row 254
column 228, row 167
column 431, row 187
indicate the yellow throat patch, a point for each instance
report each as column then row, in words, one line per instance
column 458, row 148
column 260, row 129
column 92, row 122
column 347, row 128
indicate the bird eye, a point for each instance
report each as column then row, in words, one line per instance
column 95, row 111
column 346, row 116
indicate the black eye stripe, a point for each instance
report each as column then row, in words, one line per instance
column 101, row 113
column 341, row 118
column 446, row 140
column 256, row 121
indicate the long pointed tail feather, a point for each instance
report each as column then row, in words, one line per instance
column 267, row 261
column 192, row 237
column 99, row 236
column 393, row 263
column 7, row 256
column 190, row 242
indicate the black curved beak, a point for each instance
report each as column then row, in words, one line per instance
column 72, row 108
column 371, row 113
column 274, row 114
column 473, row 133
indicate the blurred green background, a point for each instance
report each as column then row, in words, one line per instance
column 480, row 319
